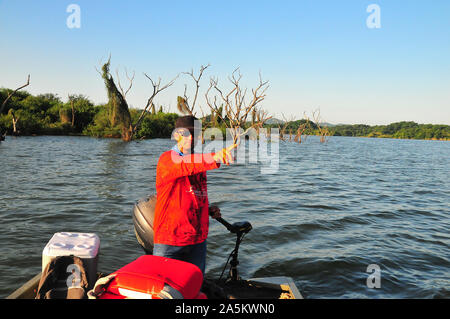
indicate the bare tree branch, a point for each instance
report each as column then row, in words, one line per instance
column 157, row 88
column 236, row 106
column 323, row 132
column 187, row 108
column 282, row 129
column 14, row 92
column 124, row 93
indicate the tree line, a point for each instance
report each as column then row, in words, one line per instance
column 231, row 107
column 23, row 114
column 47, row 114
column 403, row 130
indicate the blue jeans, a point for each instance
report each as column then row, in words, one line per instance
column 194, row 254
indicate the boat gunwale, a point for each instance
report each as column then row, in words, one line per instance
column 26, row 291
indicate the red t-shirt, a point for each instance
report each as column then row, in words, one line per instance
column 181, row 211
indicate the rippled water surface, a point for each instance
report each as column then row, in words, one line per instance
column 329, row 211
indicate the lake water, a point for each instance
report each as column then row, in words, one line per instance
column 327, row 213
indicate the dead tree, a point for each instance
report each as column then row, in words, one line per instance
column 12, row 93
column 71, row 100
column 119, row 114
column 282, row 129
column 117, row 98
column 130, row 79
column 261, row 117
column 183, row 104
column 73, row 113
column 324, row 132
column 236, row 106
column 302, row 129
column 15, row 119
column 157, row 88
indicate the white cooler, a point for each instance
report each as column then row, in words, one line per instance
column 83, row 245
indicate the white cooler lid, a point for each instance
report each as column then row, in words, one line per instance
column 83, row 245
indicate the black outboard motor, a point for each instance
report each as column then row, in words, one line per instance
column 143, row 216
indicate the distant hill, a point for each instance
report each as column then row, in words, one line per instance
column 328, row 124
column 274, row 121
column 278, row 121
column 404, row 130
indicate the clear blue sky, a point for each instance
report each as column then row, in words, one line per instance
column 316, row 54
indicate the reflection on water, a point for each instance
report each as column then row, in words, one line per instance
column 328, row 212
column 113, row 164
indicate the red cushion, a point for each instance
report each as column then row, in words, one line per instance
column 107, row 295
column 201, row 295
column 148, row 274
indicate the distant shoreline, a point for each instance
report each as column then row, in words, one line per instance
column 46, row 114
column 287, row 139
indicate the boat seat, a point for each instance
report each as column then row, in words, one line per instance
column 155, row 277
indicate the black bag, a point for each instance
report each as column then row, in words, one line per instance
column 63, row 278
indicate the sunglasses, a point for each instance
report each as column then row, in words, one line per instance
column 184, row 133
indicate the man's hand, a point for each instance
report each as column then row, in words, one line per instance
column 224, row 156
column 214, row 212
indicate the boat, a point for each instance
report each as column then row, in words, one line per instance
column 232, row 287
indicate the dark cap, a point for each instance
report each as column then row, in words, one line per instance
column 186, row 122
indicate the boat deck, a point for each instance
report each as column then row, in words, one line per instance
column 255, row 288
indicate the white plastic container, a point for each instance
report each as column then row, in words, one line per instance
column 83, row 245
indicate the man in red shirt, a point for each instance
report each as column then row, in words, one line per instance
column 182, row 209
